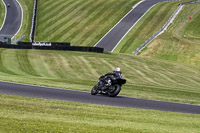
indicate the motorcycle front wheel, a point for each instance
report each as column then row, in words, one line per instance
column 94, row 90
column 115, row 92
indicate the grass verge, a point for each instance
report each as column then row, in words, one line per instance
column 146, row 78
column 20, row 114
column 27, row 6
column 2, row 13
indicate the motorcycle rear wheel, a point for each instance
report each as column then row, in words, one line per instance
column 94, row 90
column 115, row 92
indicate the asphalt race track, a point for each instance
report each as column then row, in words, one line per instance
column 86, row 97
column 116, row 34
column 13, row 19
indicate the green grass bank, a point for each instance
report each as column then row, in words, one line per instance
column 20, row 114
column 180, row 42
column 2, row 13
column 146, row 78
column 27, row 6
column 153, row 20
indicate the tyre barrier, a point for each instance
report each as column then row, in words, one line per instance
column 51, row 46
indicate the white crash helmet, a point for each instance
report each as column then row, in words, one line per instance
column 117, row 69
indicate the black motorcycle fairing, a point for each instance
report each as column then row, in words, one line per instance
column 108, row 85
column 119, row 81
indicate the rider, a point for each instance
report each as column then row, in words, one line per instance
column 107, row 78
column 115, row 74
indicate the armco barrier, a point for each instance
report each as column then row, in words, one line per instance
column 32, row 34
column 51, row 46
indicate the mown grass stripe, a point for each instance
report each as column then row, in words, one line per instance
column 105, row 16
column 167, row 76
column 164, row 77
column 95, row 11
column 60, row 67
column 54, row 68
column 10, row 60
column 47, row 4
column 50, row 5
column 96, row 65
column 74, row 20
column 2, row 13
column 51, row 73
column 74, row 66
column 143, row 71
column 89, row 67
column 3, row 68
column 68, row 13
column 110, row 65
column 50, row 23
column 158, row 75
column 82, row 70
column 42, row 67
column 24, row 63
column 54, row 14
column 69, row 68
column 86, row 67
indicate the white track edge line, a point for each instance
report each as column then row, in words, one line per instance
column 138, row 3
column 5, row 15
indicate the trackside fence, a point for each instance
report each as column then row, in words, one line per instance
column 164, row 27
column 51, row 46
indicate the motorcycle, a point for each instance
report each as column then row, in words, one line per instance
column 108, row 86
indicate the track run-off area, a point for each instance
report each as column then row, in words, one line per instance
column 86, row 97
